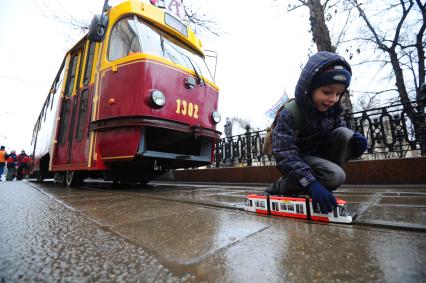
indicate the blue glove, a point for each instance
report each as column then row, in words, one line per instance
column 358, row 144
column 321, row 196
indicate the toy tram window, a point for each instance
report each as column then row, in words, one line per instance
column 260, row 204
column 275, row 206
column 316, row 208
column 283, row 206
column 71, row 75
column 124, row 39
column 251, row 203
column 89, row 63
column 335, row 212
column 291, row 207
column 299, row 208
column 82, row 114
column 343, row 211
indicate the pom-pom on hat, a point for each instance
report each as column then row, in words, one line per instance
column 336, row 74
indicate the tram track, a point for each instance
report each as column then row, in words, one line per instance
column 151, row 193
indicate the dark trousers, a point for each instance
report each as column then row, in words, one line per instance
column 11, row 172
column 326, row 165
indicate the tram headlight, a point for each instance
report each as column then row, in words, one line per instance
column 216, row 117
column 158, row 98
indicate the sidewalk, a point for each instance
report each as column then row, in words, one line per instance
column 53, row 233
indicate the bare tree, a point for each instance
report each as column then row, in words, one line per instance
column 200, row 20
column 319, row 14
column 403, row 47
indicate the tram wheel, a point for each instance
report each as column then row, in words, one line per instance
column 73, row 178
column 39, row 177
column 59, row 178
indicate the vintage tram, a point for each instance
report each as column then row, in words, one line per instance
column 132, row 98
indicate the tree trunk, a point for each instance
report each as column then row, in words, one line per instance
column 320, row 32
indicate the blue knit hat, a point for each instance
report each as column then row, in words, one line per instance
column 336, row 74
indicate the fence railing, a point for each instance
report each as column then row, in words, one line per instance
column 395, row 131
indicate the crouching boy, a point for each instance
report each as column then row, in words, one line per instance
column 311, row 158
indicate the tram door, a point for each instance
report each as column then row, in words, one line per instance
column 71, row 135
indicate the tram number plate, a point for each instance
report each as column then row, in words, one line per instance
column 186, row 108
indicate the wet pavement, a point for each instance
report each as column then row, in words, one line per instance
column 197, row 233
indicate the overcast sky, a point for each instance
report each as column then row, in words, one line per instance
column 261, row 50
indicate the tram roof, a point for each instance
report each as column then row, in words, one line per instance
column 156, row 17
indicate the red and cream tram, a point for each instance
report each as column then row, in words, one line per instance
column 132, row 98
column 296, row 208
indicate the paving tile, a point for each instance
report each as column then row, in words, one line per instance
column 189, row 237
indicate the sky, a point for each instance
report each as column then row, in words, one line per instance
column 261, row 49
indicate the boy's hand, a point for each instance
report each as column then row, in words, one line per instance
column 358, row 144
column 322, row 196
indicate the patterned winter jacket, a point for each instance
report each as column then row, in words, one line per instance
column 290, row 146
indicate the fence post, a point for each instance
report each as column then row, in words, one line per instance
column 248, row 141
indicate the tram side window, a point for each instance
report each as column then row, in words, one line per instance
column 82, row 114
column 290, row 207
column 124, row 39
column 89, row 64
column 299, row 208
column 275, row 206
column 260, row 204
column 71, row 75
column 64, row 121
column 283, row 206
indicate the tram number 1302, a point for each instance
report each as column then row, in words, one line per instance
column 186, row 108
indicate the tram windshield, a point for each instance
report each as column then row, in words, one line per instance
column 132, row 35
column 343, row 211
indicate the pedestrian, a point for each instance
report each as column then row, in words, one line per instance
column 22, row 165
column 12, row 160
column 3, row 156
column 311, row 157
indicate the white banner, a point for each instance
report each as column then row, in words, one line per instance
column 274, row 109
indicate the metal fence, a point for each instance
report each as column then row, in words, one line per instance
column 395, row 131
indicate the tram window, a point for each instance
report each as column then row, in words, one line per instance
column 251, row 203
column 89, row 63
column 71, row 75
column 151, row 39
column 291, row 207
column 64, row 121
column 124, row 39
column 283, row 206
column 343, row 211
column 299, row 208
column 335, row 212
column 259, row 204
column 275, row 206
column 82, row 114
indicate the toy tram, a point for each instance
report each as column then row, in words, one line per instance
column 132, row 99
column 296, row 208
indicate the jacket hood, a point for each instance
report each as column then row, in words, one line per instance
column 315, row 64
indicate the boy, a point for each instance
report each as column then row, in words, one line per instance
column 311, row 157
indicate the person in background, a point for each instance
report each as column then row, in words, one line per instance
column 11, row 160
column 311, row 158
column 3, row 156
column 22, row 165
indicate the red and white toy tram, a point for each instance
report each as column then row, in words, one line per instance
column 132, row 98
column 296, row 208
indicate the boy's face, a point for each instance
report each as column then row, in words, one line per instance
column 326, row 96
